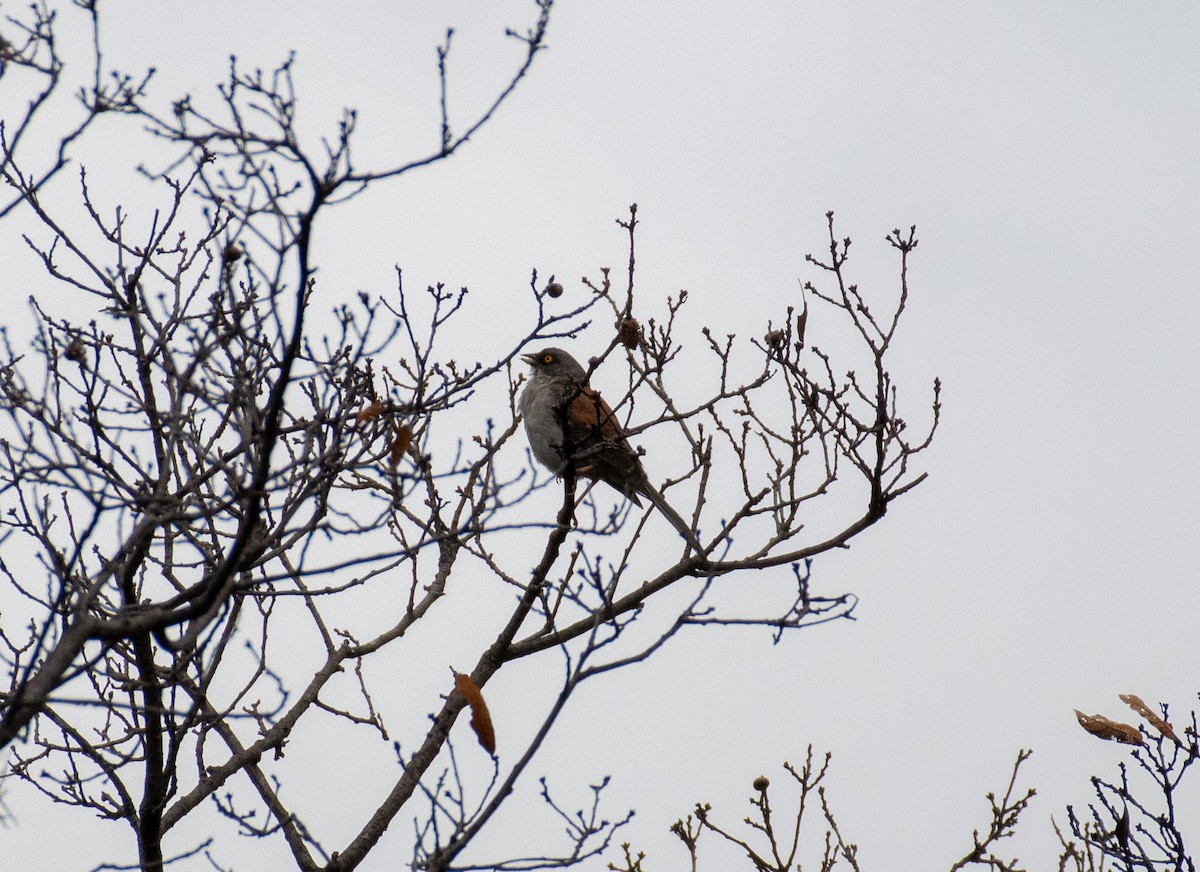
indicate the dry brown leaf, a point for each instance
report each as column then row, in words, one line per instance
column 400, row 445
column 1164, row 729
column 481, row 721
column 1105, row 728
column 371, row 412
column 801, row 323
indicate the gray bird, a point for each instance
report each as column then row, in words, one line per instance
column 558, row 393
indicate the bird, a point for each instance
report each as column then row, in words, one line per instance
column 565, row 418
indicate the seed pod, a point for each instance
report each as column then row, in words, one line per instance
column 629, row 332
column 75, row 350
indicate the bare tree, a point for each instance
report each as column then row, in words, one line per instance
column 225, row 516
column 1137, row 823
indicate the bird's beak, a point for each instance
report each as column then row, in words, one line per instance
column 530, row 359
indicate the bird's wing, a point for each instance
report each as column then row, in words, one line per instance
column 599, row 445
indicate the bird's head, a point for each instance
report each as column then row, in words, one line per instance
column 555, row 363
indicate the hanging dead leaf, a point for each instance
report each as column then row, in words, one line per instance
column 801, row 323
column 1105, row 728
column 400, row 445
column 371, row 412
column 1121, row 830
column 481, row 721
column 1136, row 703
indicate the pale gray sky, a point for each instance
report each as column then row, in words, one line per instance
column 1049, row 155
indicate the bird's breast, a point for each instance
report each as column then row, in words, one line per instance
column 542, row 427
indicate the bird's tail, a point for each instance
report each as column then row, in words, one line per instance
column 684, row 528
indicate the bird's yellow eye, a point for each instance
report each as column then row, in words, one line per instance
column 547, row 358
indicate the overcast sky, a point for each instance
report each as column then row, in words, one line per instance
column 1049, row 154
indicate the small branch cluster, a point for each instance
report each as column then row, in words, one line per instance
column 770, row 848
column 1006, row 813
column 773, row 843
column 1138, row 821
